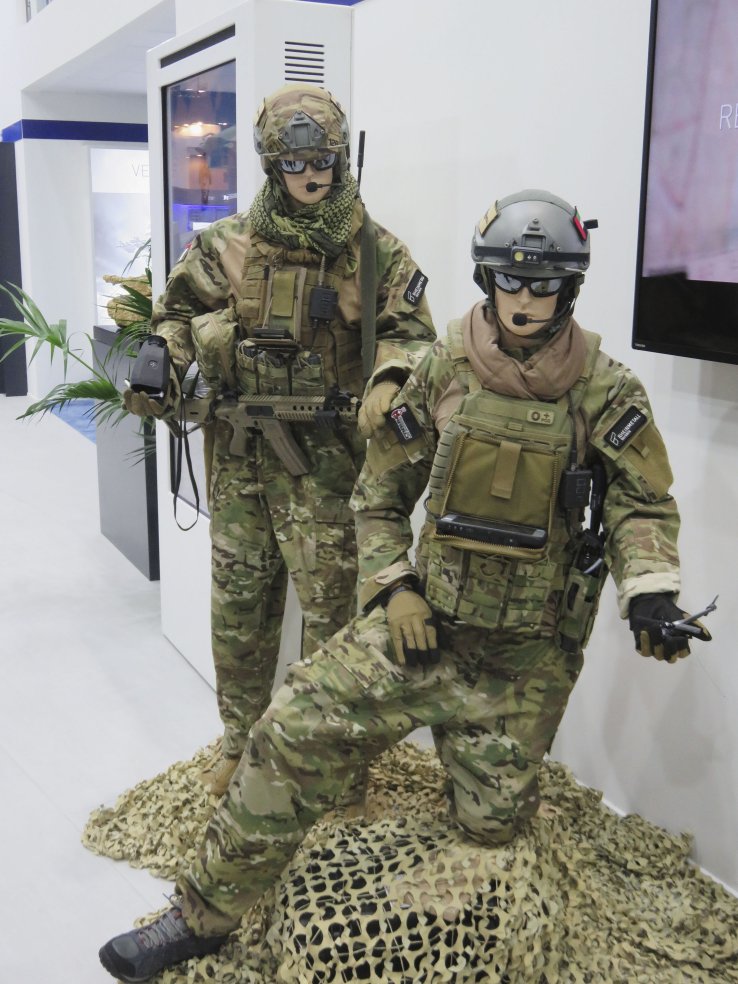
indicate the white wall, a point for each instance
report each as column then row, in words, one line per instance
column 191, row 14
column 67, row 29
column 54, row 201
column 463, row 103
column 56, row 245
column 12, row 17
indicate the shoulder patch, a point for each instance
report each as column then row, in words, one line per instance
column 416, row 288
column 629, row 424
column 405, row 425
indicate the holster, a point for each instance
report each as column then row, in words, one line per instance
column 581, row 595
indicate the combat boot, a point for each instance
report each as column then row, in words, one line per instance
column 142, row 953
column 217, row 775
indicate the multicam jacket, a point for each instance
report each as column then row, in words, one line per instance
column 496, row 588
column 214, row 273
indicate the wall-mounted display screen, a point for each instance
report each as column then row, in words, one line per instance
column 200, row 154
column 687, row 275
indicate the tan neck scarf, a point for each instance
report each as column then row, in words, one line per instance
column 549, row 372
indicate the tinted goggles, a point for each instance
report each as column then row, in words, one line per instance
column 289, row 166
column 537, row 287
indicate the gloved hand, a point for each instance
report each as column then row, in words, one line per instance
column 413, row 633
column 646, row 616
column 144, row 405
column 371, row 418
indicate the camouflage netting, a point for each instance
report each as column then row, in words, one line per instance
column 400, row 896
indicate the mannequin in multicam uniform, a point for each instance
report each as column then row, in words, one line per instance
column 293, row 266
column 482, row 637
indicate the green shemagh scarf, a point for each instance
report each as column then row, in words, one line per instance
column 324, row 227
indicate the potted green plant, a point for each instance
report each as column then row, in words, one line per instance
column 131, row 312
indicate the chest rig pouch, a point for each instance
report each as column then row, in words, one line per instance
column 496, row 539
column 291, row 337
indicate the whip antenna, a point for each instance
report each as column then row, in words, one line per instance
column 360, row 158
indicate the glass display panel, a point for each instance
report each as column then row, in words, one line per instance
column 200, row 176
column 200, row 154
column 687, row 273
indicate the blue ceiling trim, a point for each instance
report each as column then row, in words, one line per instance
column 340, row 3
column 75, row 130
column 12, row 133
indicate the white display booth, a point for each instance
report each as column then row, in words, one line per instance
column 258, row 46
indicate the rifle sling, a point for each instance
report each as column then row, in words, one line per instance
column 368, row 254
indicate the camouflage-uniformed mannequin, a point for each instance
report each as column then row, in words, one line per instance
column 504, row 419
column 255, row 274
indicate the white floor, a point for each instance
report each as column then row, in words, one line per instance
column 92, row 700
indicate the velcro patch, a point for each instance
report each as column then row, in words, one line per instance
column 579, row 225
column 540, row 416
column 404, row 423
column 416, row 288
column 629, row 424
column 487, row 219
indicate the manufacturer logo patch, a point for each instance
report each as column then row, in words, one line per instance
column 416, row 288
column 628, row 425
column 405, row 425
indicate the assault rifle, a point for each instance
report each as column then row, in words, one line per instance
column 272, row 416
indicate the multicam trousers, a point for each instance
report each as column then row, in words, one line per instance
column 264, row 525
column 494, row 703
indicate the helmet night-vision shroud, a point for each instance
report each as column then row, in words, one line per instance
column 301, row 120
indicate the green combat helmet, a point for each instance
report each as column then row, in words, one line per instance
column 301, row 119
column 535, row 235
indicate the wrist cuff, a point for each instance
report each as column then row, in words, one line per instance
column 389, row 595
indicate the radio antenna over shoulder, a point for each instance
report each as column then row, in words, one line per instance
column 360, row 157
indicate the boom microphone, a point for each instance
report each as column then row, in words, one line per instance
column 520, row 320
column 312, row 186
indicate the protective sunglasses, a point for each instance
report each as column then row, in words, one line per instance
column 297, row 167
column 538, row 288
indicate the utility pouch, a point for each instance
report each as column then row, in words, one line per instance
column 247, row 369
column 273, row 369
column 492, row 482
column 578, row 608
column 214, row 338
column 281, row 327
column 262, row 371
column 307, row 375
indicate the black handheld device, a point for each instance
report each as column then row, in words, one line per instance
column 150, row 372
column 485, row 531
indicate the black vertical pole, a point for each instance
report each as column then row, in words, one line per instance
column 13, row 380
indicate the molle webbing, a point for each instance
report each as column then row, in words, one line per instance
column 493, row 439
column 276, row 285
column 275, row 293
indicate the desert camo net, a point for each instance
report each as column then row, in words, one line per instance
column 401, row 896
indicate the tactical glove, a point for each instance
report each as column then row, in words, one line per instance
column 144, row 405
column 413, row 633
column 372, row 411
column 650, row 617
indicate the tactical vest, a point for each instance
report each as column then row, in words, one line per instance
column 497, row 466
column 299, row 326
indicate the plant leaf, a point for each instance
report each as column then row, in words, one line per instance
column 106, row 397
column 145, row 247
column 35, row 325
